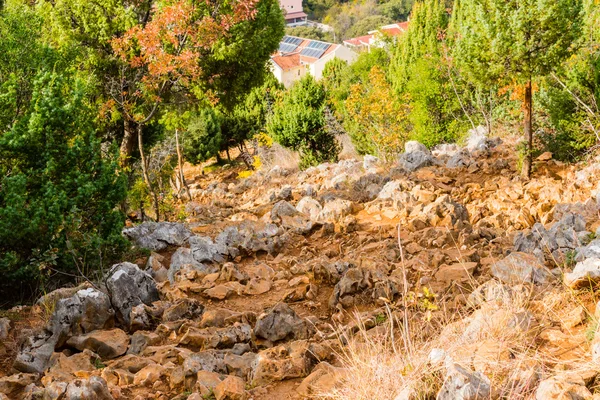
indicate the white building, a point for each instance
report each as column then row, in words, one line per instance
column 377, row 37
column 293, row 13
column 297, row 57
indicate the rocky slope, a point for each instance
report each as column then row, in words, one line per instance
column 263, row 290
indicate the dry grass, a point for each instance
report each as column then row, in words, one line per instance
column 278, row 155
column 515, row 343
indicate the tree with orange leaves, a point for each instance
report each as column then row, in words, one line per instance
column 163, row 56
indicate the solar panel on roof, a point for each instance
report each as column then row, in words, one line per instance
column 312, row 52
column 315, row 44
column 292, row 40
column 287, row 47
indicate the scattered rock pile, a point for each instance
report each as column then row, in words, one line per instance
column 264, row 281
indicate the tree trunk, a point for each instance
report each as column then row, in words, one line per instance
column 128, row 142
column 228, row 156
column 145, row 173
column 180, row 163
column 528, row 106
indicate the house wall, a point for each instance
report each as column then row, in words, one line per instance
column 287, row 78
column 292, row 75
column 342, row 52
column 291, row 6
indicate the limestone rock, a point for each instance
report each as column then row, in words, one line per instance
column 370, row 162
column 416, row 156
column 205, row 250
column 334, row 210
column 322, row 379
column 282, row 209
column 562, row 388
column 94, row 388
column 585, row 273
column 157, row 236
column 184, row 257
column 281, row 322
column 231, row 388
column 462, row 384
column 282, row 362
column 213, row 338
column 519, row 268
column 13, row 385
column 107, row 344
column 87, row 310
column 309, row 207
column 129, row 286
column 183, row 309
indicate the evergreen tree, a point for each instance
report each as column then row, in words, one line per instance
column 57, row 192
column 298, row 122
column 515, row 41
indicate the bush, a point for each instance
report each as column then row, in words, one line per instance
column 58, row 193
column 298, row 122
column 203, row 139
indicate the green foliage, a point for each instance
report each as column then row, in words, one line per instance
column 421, row 73
column 569, row 98
column 309, row 32
column 202, row 139
column 396, row 10
column 435, row 115
column 238, row 63
column 57, row 192
column 379, row 120
column 422, row 40
column 249, row 117
column 514, row 39
column 298, row 122
column 369, row 23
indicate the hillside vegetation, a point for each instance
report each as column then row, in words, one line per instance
column 423, row 223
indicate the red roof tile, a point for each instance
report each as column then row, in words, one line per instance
column 298, row 14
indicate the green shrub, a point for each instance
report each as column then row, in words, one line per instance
column 298, row 122
column 58, row 193
column 203, row 139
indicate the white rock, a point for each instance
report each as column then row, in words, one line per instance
column 310, row 207
column 585, row 272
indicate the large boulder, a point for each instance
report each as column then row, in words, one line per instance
column 158, row 235
column 84, row 312
column 205, row 250
column 551, row 244
column 309, row 207
column 281, row 322
column 519, row 268
column 415, row 156
column 184, row 257
column 129, row 286
column 107, row 344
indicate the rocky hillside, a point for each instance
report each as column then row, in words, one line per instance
column 445, row 276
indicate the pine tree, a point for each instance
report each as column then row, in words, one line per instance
column 298, row 122
column 515, row 41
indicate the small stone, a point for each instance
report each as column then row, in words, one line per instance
column 520, row 268
column 231, row 388
column 585, row 273
column 546, row 156
column 107, row 344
